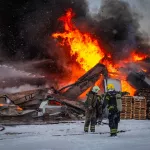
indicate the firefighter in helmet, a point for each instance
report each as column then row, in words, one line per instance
column 91, row 106
column 113, row 102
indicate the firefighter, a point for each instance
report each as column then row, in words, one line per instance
column 91, row 105
column 113, row 102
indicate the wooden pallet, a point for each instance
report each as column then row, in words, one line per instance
column 139, row 99
column 125, row 113
column 127, row 107
column 127, row 103
column 137, row 115
column 145, row 93
column 139, row 112
column 144, row 114
column 140, row 107
column 140, row 118
column 126, row 117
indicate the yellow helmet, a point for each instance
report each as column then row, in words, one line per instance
column 110, row 87
column 95, row 89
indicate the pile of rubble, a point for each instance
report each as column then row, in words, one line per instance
column 51, row 105
column 45, row 105
column 51, row 108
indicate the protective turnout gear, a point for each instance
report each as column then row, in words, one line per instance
column 110, row 87
column 114, row 104
column 95, row 89
column 99, row 111
column 91, row 105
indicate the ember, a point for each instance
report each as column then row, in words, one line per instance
column 19, row 108
column 1, row 105
column 89, row 52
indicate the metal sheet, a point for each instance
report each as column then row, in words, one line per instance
column 115, row 82
column 86, row 81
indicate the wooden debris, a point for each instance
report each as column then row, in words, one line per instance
column 86, row 81
column 27, row 99
column 77, row 105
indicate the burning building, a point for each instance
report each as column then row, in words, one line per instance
column 62, row 44
column 89, row 50
column 74, row 41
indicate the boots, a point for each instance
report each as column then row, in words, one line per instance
column 113, row 134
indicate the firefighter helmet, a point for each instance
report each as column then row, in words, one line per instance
column 110, row 87
column 95, row 89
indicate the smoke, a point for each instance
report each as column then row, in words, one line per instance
column 142, row 7
column 10, row 77
column 26, row 29
column 21, row 88
column 119, row 28
column 27, row 26
column 25, row 35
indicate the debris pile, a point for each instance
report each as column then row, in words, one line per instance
column 38, row 107
column 28, row 99
column 50, row 104
column 86, row 81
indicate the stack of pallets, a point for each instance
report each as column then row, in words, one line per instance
column 146, row 94
column 148, row 110
column 139, row 108
column 127, row 107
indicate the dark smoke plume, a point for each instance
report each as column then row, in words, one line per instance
column 118, row 26
column 26, row 29
column 25, row 35
column 26, row 26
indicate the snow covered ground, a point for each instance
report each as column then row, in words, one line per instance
column 69, row 137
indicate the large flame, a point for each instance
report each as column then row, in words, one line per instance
column 82, row 45
column 87, row 50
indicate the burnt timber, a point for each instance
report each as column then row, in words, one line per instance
column 86, row 81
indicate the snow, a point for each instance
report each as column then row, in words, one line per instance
column 64, row 137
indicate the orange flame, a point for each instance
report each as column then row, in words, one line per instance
column 19, row 108
column 127, row 87
column 81, row 44
column 1, row 105
column 138, row 57
column 87, row 50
